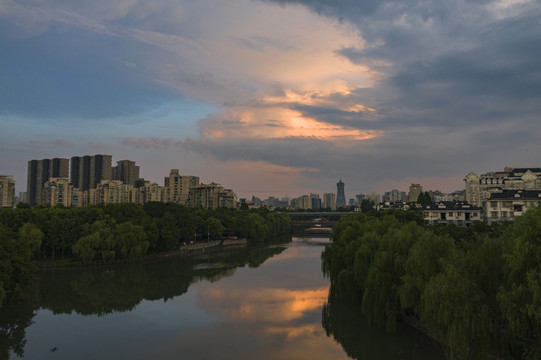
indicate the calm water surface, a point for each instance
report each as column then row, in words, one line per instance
column 250, row 303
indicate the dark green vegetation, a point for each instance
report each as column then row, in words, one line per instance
column 116, row 232
column 476, row 289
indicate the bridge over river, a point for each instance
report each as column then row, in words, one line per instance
column 314, row 223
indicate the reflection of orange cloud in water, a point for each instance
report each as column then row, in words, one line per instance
column 265, row 305
column 293, row 332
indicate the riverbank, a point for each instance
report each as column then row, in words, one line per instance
column 183, row 250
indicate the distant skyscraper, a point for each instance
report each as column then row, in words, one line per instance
column 303, row 202
column 126, row 171
column 415, row 191
column 7, row 191
column 87, row 171
column 329, row 201
column 316, row 201
column 340, row 196
column 39, row 172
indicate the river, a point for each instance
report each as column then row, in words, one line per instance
column 256, row 302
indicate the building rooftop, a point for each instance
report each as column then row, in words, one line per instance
column 451, row 205
column 518, row 172
column 516, row 194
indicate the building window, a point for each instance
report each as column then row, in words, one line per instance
column 494, row 204
column 494, row 214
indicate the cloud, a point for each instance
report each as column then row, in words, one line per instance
column 150, row 143
column 61, row 143
column 318, row 90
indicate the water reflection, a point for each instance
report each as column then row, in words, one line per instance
column 16, row 316
column 104, row 290
column 343, row 320
column 263, row 305
column 257, row 302
column 271, row 313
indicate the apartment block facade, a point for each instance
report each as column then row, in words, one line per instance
column 451, row 212
column 212, row 196
column 39, row 172
column 480, row 188
column 510, row 204
column 329, row 201
column 178, row 187
column 58, row 191
column 7, row 191
column 87, row 171
column 126, row 171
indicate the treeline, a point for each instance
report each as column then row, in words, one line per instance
column 118, row 231
column 476, row 289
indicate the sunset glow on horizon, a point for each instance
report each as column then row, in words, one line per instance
column 294, row 95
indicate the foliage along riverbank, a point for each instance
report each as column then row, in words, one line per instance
column 117, row 231
column 477, row 290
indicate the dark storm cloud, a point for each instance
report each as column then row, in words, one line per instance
column 445, row 64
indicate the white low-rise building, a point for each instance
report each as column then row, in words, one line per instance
column 510, row 204
column 452, row 212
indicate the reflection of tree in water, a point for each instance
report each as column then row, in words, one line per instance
column 343, row 319
column 102, row 290
column 16, row 315
column 116, row 288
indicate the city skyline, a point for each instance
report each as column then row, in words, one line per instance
column 275, row 98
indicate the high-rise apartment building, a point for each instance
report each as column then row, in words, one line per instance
column 374, row 197
column 178, row 187
column 212, row 196
column 126, row 171
column 393, row 196
column 316, row 201
column 303, row 202
column 415, row 191
column 7, row 191
column 340, row 196
column 329, row 201
column 39, row 172
column 57, row 191
column 87, row 171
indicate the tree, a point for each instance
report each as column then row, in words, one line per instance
column 30, row 237
column 520, row 298
column 130, row 240
column 424, row 198
column 86, row 247
column 214, row 227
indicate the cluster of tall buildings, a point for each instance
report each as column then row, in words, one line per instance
column 305, row 202
column 90, row 180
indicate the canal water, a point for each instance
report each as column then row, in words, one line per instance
column 256, row 302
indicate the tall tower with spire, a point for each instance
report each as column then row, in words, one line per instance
column 340, row 196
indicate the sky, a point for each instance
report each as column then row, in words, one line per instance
column 275, row 97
